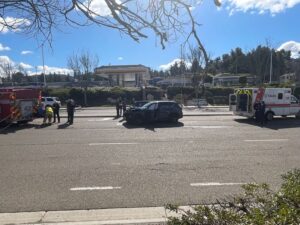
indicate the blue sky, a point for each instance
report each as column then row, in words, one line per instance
column 237, row 23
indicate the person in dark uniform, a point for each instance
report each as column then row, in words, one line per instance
column 257, row 107
column 70, row 110
column 262, row 113
column 117, row 108
column 56, row 107
column 120, row 107
column 124, row 106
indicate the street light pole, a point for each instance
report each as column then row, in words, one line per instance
column 271, row 67
column 44, row 65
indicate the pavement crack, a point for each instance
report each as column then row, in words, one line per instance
column 42, row 217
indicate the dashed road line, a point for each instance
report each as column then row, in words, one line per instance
column 268, row 140
column 114, row 143
column 94, row 188
column 100, row 120
column 207, row 127
column 214, row 184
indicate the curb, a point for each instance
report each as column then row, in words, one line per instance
column 114, row 216
column 101, row 116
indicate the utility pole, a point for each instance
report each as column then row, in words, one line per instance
column 271, row 67
column 44, row 66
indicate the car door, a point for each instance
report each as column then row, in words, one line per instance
column 151, row 112
column 163, row 111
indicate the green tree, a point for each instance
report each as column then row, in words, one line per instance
column 18, row 77
column 258, row 205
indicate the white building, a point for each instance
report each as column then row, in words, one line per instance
column 124, row 75
column 286, row 78
column 228, row 80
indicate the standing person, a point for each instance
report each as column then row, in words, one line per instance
column 124, row 106
column 117, row 108
column 262, row 113
column 56, row 112
column 120, row 107
column 70, row 110
column 257, row 107
column 48, row 114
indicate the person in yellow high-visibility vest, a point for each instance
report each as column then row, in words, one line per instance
column 48, row 114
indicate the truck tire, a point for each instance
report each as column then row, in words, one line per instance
column 269, row 116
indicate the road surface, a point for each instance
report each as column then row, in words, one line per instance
column 105, row 163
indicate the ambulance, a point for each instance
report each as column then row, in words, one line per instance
column 279, row 102
column 19, row 105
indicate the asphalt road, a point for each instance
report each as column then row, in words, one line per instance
column 103, row 163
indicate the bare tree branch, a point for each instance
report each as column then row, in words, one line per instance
column 167, row 19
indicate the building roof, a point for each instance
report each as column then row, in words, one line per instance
column 121, row 66
column 227, row 75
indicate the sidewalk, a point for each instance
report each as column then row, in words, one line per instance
column 150, row 215
column 111, row 112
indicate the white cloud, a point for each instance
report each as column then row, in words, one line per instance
column 4, row 48
column 99, row 7
column 167, row 66
column 5, row 60
column 25, row 66
column 120, row 58
column 259, row 6
column 26, row 52
column 48, row 70
column 292, row 46
column 12, row 24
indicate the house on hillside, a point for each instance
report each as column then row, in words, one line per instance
column 183, row 80
column 287, row 78
column 124, row 75
column 228, row 80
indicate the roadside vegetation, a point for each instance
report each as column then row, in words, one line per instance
column 258, row 205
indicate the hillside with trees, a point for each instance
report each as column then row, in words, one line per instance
column 255, row 62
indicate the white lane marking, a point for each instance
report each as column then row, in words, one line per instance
column 116, row 164
column 214, row 184
column 120, row 123
column 108, row 118
column 94, row 188
column 113, row 143
column 100, row 120
column 267, row 140
column 208, row 127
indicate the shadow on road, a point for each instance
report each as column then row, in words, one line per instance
column 13, row 128
column 63, row 125
column 275, row 124
column 153, row 126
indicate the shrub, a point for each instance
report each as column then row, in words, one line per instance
column 258, row 205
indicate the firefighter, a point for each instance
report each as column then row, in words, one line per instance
column 48, row 114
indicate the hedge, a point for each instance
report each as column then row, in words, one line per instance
column 102, row 96
column 218, row 96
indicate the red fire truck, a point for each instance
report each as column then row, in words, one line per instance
column 18, row 105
